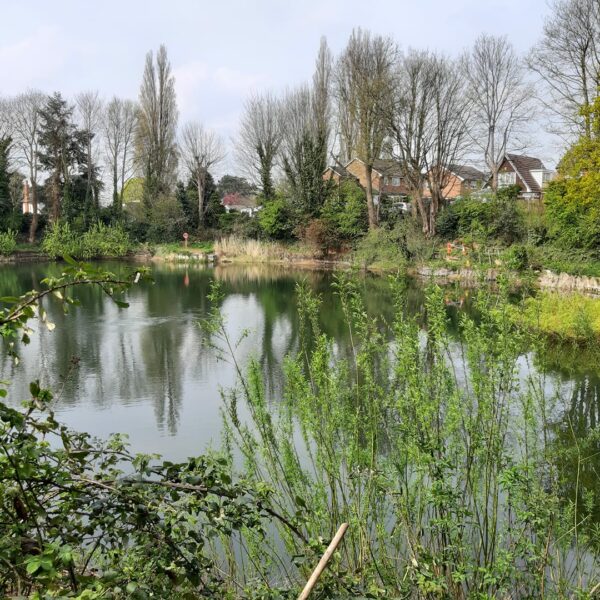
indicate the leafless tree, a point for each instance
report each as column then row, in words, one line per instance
column 25, row 118
column 200, row 149
column 156, row 132
column 500, row 99
column 364, row 79
column 118, row 128
column 259, row 140
column 567, row 60
column 6, row 125
column 450, row 117
column 411, row 122
column 89, row 111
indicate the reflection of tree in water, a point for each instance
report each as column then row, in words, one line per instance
column 576, row 434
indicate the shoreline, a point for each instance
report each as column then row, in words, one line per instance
column 470, row 277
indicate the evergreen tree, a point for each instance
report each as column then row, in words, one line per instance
column 61, row 151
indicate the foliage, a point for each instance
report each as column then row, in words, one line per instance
column 381, row 248
column 434, row 457
column 8, row 242
column 573, row 200
column 276, row 219
column 5, row 202
column 232, row 184
column 345, row 211
column 571, row 316
column 166, row 221
column 494, row 218
column 99, row 241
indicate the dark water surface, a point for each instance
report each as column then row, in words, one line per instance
column 144, row 370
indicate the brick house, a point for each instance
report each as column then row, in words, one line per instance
column 527, row 172
column 461, row 181
column 386, row 177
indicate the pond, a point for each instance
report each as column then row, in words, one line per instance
column 145, row 371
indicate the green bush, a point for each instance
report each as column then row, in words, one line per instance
column 382, row 248
column 497, row 218
column 100, row 241
column 167, row 221
column 105, row 240
column 345, row 211
column 8, row 242
column 276, row 219
column 60, row 240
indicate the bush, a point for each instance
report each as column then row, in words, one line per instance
column 496, row 218
column 345, row 212
column 60, row 240
column 100, row 241
column 276, row 219
column 167, row 222
column 8, row 242
column 382, row 248
column 105, row 240
column 319, row 235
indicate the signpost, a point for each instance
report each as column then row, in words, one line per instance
column 185, row 238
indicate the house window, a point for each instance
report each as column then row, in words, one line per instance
column 396, row 181
column 507, row 178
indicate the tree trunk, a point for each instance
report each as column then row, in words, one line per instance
column 423, row 212
column 373, row 224
column 34, row 217
column 201, row 207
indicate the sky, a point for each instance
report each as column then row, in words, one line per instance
column 223, row 50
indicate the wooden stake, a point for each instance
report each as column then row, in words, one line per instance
column 312, row 581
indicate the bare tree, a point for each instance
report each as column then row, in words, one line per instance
column 411, row 122
column 450, row 117
column 89, row 112
column 119, row 122
column 259, row 140
column 156, row 147
column 25, row 118
column 567, row 60
column 500, row 99
column 200, row 150
column 364, row 84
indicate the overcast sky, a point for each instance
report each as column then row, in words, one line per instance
column 222, row 50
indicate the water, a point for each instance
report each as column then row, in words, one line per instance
column 144, row 370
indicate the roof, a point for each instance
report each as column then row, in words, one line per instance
column 238, row 200
column 523, row 165
column 466, row 172
column 388, row 167
column 339, row 170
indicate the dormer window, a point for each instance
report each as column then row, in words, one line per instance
column 395, row 181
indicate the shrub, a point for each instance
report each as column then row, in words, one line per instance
column 105, row 240
column 382, row 248
column 8, row 242
column 276, row 219
column 60, row 240
column 319, row 234
column 345, row 211
column 167, row 221
column 100, row 241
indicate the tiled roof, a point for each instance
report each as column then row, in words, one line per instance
column 237, row 199
column 388, row 167
column 523, row 165
column 466, row 172
column 341, row 171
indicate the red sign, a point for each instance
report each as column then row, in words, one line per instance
column 186, row 236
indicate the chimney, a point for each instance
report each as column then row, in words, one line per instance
column 26, row 208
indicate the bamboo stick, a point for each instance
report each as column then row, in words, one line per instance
column 310, row 584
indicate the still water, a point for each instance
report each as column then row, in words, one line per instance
column 145, row 371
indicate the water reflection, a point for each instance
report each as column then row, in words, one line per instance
column 145, row 371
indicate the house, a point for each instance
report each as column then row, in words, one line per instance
column 237, row 202
column 461, row 181
column 527, row 172
column 386, row 177
column 27, row 203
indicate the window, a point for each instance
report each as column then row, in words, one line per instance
column 507, row 178
column 396, row 181
column 385, row 181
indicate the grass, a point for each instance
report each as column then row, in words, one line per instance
column 250, row 250
column 573, row 316
column 179, row 248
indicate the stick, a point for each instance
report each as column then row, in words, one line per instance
column 310, row 584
